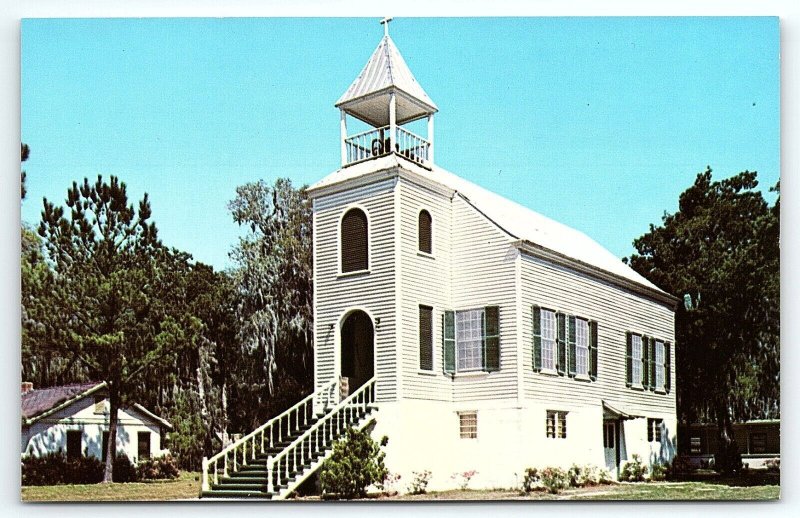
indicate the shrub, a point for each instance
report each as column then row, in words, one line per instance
column 658, row 472
column 681, row 465
column 355, row 464
column 124, row 470
column 464, row 478
column 554, row 479
column 531, row 481
column 633, row 471
column 419, row 482
column 56, row 468
column 390, row 482
column 772, row 464
column 158, row 468
column 604, row 477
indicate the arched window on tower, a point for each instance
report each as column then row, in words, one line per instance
column 424, row 231
column 354, row 241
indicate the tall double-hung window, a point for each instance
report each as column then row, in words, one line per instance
column 648, row 364
column 564, row 344
column 636, row 359
column 471, row 340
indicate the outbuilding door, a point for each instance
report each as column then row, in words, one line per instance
column 357, row 356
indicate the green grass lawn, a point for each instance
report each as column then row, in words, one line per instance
column 186, row 486
column 623, row 491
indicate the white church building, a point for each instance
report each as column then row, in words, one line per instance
column 473, row 332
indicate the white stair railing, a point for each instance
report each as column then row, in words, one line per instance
column 319, row 435
column 260, row 440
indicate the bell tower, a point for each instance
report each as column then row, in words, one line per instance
column 386, row 96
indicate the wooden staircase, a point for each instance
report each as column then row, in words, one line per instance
column 272, row 461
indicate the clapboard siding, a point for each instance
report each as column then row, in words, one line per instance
column 483, row 274
column 424, row 280
column 616, row 310
column 374, row 292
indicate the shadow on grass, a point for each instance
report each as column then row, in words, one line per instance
column 745, row 478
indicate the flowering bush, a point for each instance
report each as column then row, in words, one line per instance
column 554, row 479
column 158, row 468
column 419, row 482
column 464, row 478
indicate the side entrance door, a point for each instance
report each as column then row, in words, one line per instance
column 610, row 445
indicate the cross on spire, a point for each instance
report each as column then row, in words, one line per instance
column 385, row 23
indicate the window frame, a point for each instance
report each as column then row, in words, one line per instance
column 420, row 308
column 149, row 453
column 481, row 360
column 69, row 441
column 654, row 432
column 660, row 346
column 586, row 349
column 559, row 423
column 468, row 424
column 339, row 244
column 553, row 342
column 637, row 363
column 432, row 234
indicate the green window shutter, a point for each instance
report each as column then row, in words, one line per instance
column 571, row 343
column 537, row 338
column 667, row 367
column 491, row 339
column 561, row 323
column 628, row 359
column 593, row 350
column 449, row 341
column 645, row 362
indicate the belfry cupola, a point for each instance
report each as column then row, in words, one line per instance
column 386, row 96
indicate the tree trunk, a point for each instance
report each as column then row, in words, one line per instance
column 111, row 444
column 728, row 460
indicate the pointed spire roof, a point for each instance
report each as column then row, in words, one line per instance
column 385, row 72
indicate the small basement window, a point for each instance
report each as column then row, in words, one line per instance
column 654, row 430
column 556, row 424
column 468, row 425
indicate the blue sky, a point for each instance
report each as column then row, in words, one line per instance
column 596, row 122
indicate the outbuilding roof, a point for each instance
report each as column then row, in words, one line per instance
column 519, row 222
column 39, row 401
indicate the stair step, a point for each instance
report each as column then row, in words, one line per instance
column 236, row 494
column 243, row 480
column 253, row 488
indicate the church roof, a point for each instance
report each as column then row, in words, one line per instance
column 386, row 71
column 521, row 223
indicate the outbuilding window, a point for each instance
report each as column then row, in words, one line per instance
column 424, row 232
column 354, row 241
column 74, row 439
column 143, row 445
